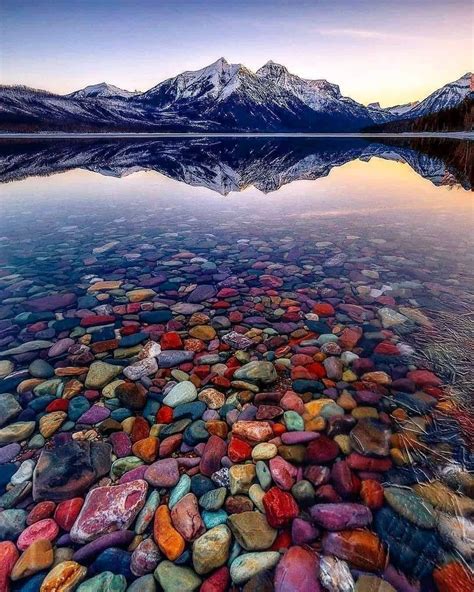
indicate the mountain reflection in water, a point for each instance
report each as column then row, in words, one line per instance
column 229, row 165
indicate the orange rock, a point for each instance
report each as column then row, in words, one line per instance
column 168, row 539
column 217, row 428
column 361, row 548
column 70, row 371
column 146, row 449
column 371, row 493
column 453, row 577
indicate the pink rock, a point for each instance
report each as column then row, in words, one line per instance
column 9, row 555
column 297, row 570
column 283, row 473
column 107, row 509
column 341, row 516
column 44, row 529
column 214, row 450
column 163, row 473
column 218, row 582
column 303, row 531
column 186, row 518
column 291, row 402
column 145, row 558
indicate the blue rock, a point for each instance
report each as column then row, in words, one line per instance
column 192, row 410
column 200, row 484
column 134, row 339
column 195, row 433
column 77, row 406
column 6, row 473
column 156, row 316
column 117, row 559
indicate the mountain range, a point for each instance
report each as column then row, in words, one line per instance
column 221, row 97
column 226, row 165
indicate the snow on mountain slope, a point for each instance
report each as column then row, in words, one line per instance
column 102, row 90
column 449, row 95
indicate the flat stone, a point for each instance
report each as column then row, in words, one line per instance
column 107, row 509
column 343, row 516
column 263, row 372
column 183, row 392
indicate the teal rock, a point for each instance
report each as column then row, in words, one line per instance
column 173, row 578
column 37, row 441
column 212, row 519
column 179, row 490
column 293, row 421
column 263, row 475
column 248, row 565
column 48, row 387
column 213, row 500
column 24, row 348
column 104, row 582
column 77, row 407
column 183, row 392
column 9, row 408
column 411, row 506
column 12, row 524
column 41, row 369
column 144, row 584
column 147, row 512
column 331, row 410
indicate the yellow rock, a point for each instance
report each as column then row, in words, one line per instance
column 203, row 332
column 127, row 424
column 344, row 443
column 109, row 390
column 64, row 577
column 443, row 498
column 349, row 376
column 107, row 285
column 51, row 422
column 140, row 295
column 38, row 556
column 241, row 477
column 363, row 412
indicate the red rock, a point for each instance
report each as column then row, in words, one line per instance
column 345, row 482
column 424, row 378
column 324, row 309
column 67, row 512
column 280, row 507
column 218, row 582
column 214, row 450
column 140, row 429
column 297, row 570
column 358, row 462
column 322, row 450
column 283, row 473
column 171, row 340
column 385, row 348
column 371, row 493
column 44, row 529
column 453, row 577
column 238, row 450
column 58, row 405
column 169, row 445
column 108, row 509
column 282, row 541
column 349, row 338
column 92, row 320
column 164, row 415
column 40, row 512
column 327, row 494
column 9, row 556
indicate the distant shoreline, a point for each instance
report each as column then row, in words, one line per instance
column 145, row 135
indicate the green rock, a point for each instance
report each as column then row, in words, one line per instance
column 125, row 464
column 173, row 578
column 17, row 432
column 9, row 408
column 104, row 582
column 100, row 374
column 144, row 584
column 29, row 346
column 48, row 387
column 256, row 371
column 411, row 506
column 214, row 499
column 250, row 564
column 263, row 474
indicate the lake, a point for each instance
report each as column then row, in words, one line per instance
column 288, row 319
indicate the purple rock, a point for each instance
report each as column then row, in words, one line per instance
column 303, row 532
column 8, row 452
column 145, row 558
column 214, row 450
column 341, row 516
column 298, row 437
column 50, row 303
column 133, row 474
column 203, row 292
column 95, row 414
column 120, row 538
column 121, row 444
column 60, row 347
column 174, row 357
column 163, row 473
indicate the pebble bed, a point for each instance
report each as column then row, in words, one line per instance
column 220, row 411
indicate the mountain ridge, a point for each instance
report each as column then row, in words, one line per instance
column 218, row 97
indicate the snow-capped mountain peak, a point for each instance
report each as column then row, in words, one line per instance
column 103, row 90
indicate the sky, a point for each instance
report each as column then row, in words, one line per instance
column 376, row 50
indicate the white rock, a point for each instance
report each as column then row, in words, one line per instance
column 335, row 575
column 183, row 392
column 24, row 473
